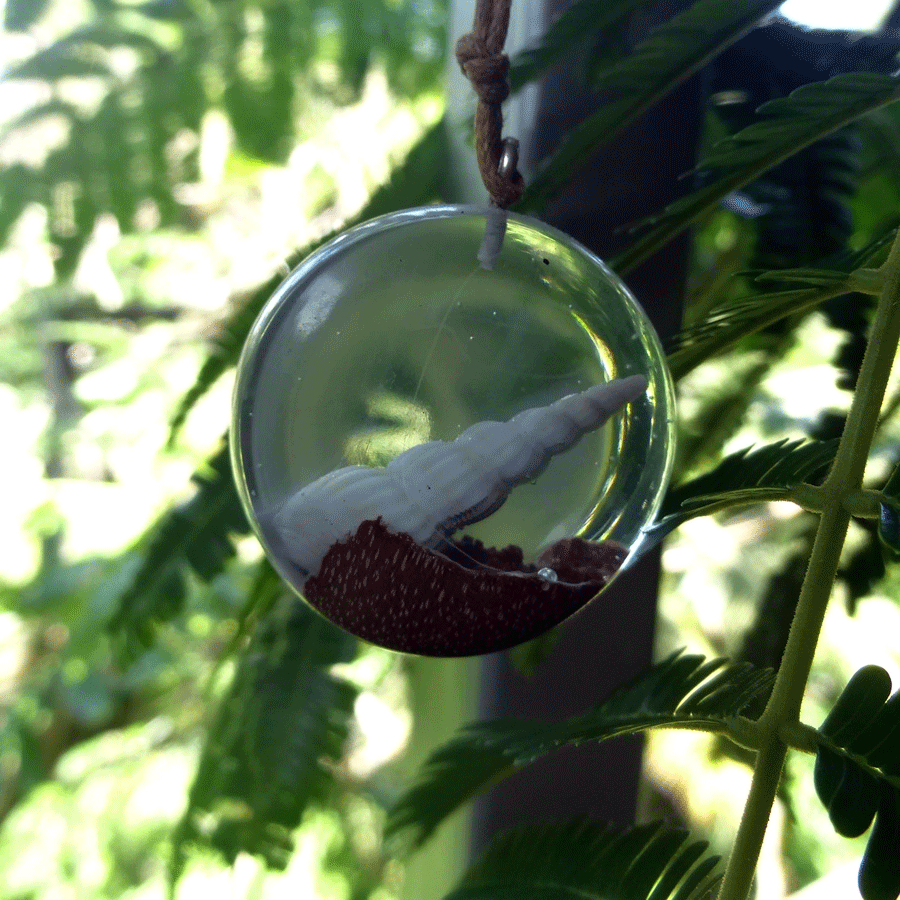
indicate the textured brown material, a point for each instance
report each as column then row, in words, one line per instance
column 575, row 560
column 389, row 590
column 480, row 56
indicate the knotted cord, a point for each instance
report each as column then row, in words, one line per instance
column 480, row 56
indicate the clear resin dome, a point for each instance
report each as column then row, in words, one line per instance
column 393, row 336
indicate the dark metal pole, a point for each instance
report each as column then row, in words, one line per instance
column 612, row 639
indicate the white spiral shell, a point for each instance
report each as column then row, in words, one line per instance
column 431, row 490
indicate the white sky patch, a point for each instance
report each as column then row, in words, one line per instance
column 850, row 15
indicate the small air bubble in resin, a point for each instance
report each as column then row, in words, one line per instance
column 402, row 444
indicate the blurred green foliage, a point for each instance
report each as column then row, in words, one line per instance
column 131, row 133
column 149, row 72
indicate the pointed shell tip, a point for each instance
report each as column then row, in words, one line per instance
column 640, row 383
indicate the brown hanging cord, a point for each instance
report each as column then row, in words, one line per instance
column 480, row 56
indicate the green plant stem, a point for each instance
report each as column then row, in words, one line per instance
column 844, row 478
column 867, row 281
column 864, row 504
column 800, row 737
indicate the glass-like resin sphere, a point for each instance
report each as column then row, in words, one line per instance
column 393, row 335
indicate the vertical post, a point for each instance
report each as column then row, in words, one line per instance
column 612, row 639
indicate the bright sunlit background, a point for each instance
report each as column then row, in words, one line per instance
column 865, row 15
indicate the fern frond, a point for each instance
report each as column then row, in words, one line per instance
column 16, row 192
column 197, row 536
column 730, row 322
column 18, row 15
column 592, row 861
column 667, row 58
column 682, row 691
column 821, row 278
column 752, row 475
column 788, row 125
column 857, row 775
column 413, row 183
column 278, row 733
column 52, row 65
column 690, row 39
column 51, row 109
column 225, row 350
column 577, row 24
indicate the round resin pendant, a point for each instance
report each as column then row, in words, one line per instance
column 446, row 459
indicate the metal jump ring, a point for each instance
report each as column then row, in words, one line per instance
column 509, row 158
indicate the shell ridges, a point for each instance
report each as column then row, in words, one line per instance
column 431, row 490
